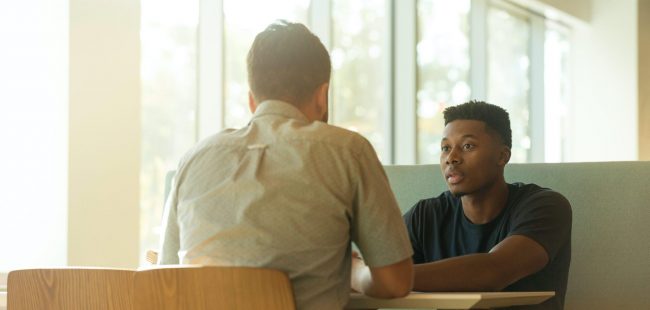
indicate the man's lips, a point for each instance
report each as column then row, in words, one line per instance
column 454, row 177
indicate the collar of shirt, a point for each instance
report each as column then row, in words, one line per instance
column 277, row 107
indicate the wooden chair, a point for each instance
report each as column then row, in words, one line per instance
column 206, row 287
column 70, row 288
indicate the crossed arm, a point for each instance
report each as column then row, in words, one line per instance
column 513, row 258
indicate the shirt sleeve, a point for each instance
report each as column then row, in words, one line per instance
column 546, row 218
column 170, row 239
column 377, row 225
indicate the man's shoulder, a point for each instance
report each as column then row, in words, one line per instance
column 531, row 195
column 322, row 135
column 328, row 133
column 532, row 190
column 436, row 205
column 218, row 139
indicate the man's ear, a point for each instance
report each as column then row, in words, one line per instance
column 251, row 102
column 322, row 104
column 504, row 156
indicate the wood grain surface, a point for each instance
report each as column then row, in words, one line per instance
column 199, row 288
column 70, row 289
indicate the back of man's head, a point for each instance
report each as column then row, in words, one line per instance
column 287, row 62
column 494, row 117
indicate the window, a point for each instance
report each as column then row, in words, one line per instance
column 443, row 69
column 396, row 66
column 241, row 25
column 360, row 100
column 556, row 91
column 169, row 104
column 508, row 81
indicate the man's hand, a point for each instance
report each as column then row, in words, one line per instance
column 390, row 281
column 358, row 267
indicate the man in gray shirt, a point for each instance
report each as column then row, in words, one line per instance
column 289, row 191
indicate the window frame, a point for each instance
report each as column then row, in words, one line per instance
column 401, row 121
column 536, row 100
column 210, row 112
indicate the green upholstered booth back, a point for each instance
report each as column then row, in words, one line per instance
column 610, row 264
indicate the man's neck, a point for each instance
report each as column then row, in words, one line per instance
column 484, row 206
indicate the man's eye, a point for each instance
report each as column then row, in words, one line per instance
column 444, row 148
column 468, row 147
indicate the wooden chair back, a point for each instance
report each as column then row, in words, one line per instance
column 209, row 287
column 70, row 288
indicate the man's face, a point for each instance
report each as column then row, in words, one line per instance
column 472, row 157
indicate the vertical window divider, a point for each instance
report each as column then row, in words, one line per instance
column 404, row 82
column 389, row 87
column 320, row 23
column 210, row 60
column 478, row 49
column 537, row 101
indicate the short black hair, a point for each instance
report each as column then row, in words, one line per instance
column 495, row 118
column 287, row 62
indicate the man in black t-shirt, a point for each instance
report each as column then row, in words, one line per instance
column 485, row 234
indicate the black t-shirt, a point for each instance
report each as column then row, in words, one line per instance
column 439, row 229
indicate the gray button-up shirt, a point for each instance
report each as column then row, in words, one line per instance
column 289, row 194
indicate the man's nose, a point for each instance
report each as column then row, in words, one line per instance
column 453, row 157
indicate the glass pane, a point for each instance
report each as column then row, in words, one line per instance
column 243, row 20
column 359, row 63
column 443, row 69
column 508, row 74
column 556, row 89
column 168, row 72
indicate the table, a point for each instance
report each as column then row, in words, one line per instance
column 478, row 300
column 431, row 300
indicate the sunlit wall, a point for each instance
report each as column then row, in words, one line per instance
column 33, row 131
column 604, row 124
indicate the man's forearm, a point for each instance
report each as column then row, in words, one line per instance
column 362, row 282
column 475, row 272
column 512, row 259
column 390, row 281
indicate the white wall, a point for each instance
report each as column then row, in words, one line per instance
column 604, row 122
column 103, row 222
column 33, row 132
column 70, row 133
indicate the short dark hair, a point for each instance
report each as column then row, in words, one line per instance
column 495, row 118
column 287, row 62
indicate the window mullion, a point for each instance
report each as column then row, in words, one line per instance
column 210, row 105
column 478, row 49
column 320, row 23
column 537, row 104
column 404, row 76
